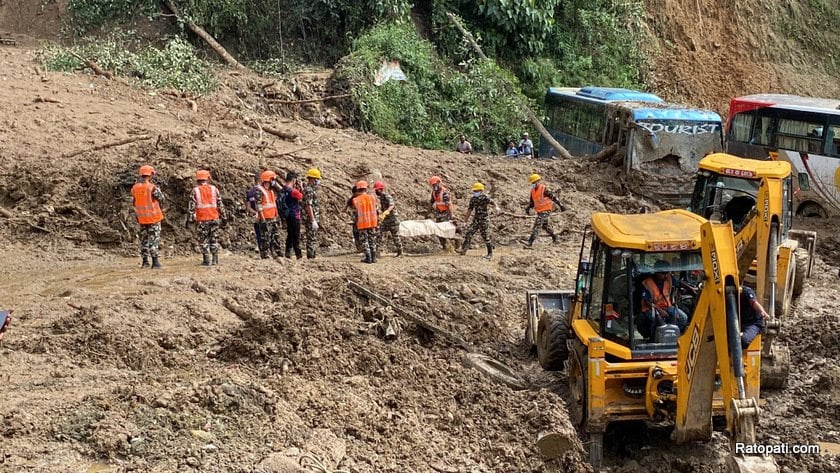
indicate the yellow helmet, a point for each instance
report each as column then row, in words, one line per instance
column 478, row 187
column 314, row 173
column 533, row 178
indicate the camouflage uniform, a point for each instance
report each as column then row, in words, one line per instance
column 310, row 200
column 542, row 220
column 480, row 222
column 367, row 239
column 444, row 215
column 270, row 230
column 207, row 232
column 390, row 224
column 150, row 233
column 149, row 240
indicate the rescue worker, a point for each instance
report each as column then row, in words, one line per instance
column 147, row 199
column 753, row 316
column 366, row 220
column 252, row 197
column 5, row 321
column 479, row 203
column 442, row 207
column 310, row 211
column 267, row 216
column 542, row 201
column 293, row 224
column 206, row 208
column 349, row 207
column 389, row 220
column 656, row 305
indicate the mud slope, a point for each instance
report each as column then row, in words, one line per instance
column 251, row 365
column 705, row 53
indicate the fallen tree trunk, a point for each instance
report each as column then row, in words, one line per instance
column 413, row 317
column 272, row 131
column 93, row 66
column 210, row 40
column 320, row 99
column 108, row 145
column 563, row 152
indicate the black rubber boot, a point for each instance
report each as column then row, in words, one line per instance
column 263, row 254
column 145, row 263
column 555, row 238
column 206, row 259
column 489, row 251
column 156, row 263
column 288, row 254
column 529, row 245
column 215, row 259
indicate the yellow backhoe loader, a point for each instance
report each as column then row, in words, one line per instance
column 757, row 197
column 624, row 362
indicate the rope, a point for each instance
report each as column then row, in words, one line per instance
column 312, row 463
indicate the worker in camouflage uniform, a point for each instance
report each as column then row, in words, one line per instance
column 442, row 207
column 206, row 208
column 147, row 200
column 542, row 201
column 479, row 203
column 311, row 213
column 389, row 221
column 365, row 219
column 349, row 207
column 267, row 217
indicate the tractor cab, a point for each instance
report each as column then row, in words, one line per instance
column 726, row 188
column 638, row 287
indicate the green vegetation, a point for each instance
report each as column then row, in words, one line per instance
column 437, row 102
column 551, row 42
column 175, row 66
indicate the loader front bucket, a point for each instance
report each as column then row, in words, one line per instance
column 548, row 300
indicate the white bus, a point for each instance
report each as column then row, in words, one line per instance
column 801, row 130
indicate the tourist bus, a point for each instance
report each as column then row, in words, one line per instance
column 658, row 142
column 801, row 130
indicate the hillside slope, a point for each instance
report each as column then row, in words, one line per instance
column 705, row 53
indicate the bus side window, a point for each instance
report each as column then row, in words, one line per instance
column 832, row 141
column 741, row 126
column 763, row 133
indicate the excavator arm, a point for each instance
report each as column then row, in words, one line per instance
column 711, row 344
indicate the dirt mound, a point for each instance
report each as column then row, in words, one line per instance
column 705, row 53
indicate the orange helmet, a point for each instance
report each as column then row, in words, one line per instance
column 434, row 180
column 378, row 185
column 362, row 185
column 202, row 175
column 267, row 176
column 147, row 170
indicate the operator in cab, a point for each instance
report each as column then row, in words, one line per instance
column 753, row 316
column 657, row 307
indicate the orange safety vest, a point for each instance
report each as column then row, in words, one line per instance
column 541, row 202
column 661, row 298
column 366, row 216
column 440, row 205
column 268, row 203
column 147, row 208
column 205, row 197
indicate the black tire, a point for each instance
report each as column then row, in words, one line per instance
column 552, row 332
column 811, row 209
column 577, row 384
column 801, row 271
column 785, row 296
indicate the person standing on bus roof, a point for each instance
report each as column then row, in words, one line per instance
column 464, row 146
column 526, row 146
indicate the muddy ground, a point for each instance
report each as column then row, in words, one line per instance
column 251, row 365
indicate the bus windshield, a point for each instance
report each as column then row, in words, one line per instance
column 687, row 141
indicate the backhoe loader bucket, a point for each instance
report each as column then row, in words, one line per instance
column 548, row 326
column 751, row 464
